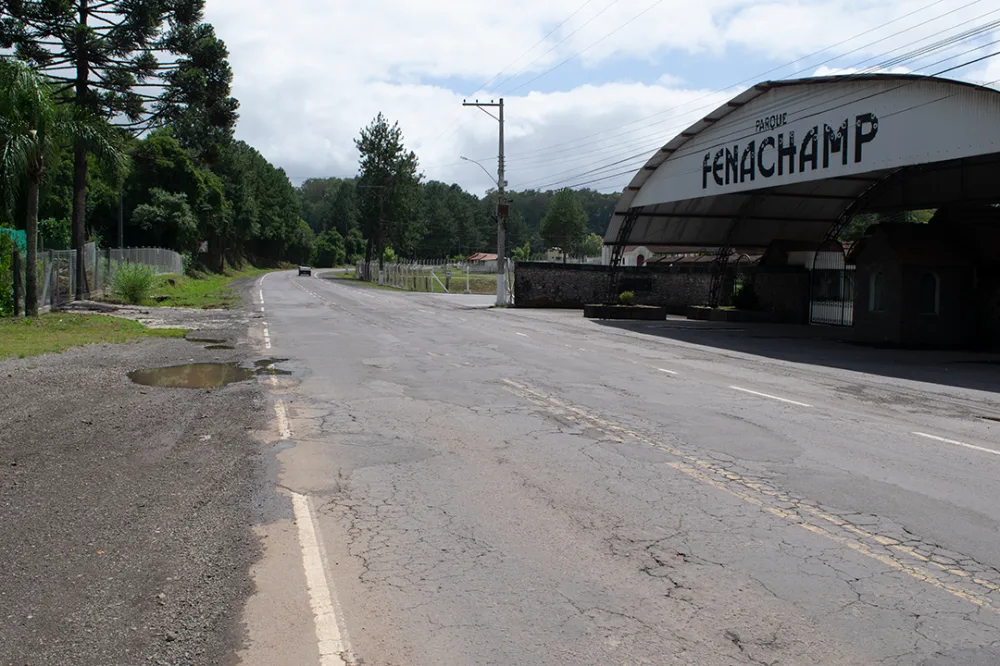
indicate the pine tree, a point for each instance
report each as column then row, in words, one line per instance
column 387, row 189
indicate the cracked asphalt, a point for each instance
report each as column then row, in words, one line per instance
column 529, row 487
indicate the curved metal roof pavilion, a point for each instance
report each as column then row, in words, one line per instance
column 792, row 159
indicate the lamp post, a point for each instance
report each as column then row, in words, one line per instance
column 503, row 208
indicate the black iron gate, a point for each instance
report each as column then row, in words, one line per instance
column 832, row 290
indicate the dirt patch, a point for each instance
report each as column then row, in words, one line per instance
column 126, row 511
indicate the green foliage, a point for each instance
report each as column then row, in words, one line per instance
column 132, row 283
column 54, row 234
column 169, row 217
column 354, row 244
column 592, row 245
column 565, row 224
column 387, row 189
column 859, row 224
column 329, row 249
column 626, row 298
column 745, row 296
column 6, row 275
column 522, row 253
column 389, row 255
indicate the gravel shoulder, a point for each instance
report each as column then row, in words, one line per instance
column 126, row 511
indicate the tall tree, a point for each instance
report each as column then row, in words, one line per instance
column 565, row 224
column 122, row 59
column 31, row 128
column 387, row 189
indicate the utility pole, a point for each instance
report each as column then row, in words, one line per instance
column 503, row 208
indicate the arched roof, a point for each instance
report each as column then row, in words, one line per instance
column 788, row 159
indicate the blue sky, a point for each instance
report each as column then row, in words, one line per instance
column 310, row 73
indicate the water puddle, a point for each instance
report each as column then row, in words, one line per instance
column 205, row 375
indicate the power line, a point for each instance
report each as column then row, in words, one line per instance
column 949, row 69
column 554, row 47
column 760, row 76
column 577, row 55
column 534, row 46
column 911, row 55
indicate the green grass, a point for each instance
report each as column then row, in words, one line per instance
column 479, row 283
column 204, row 291
column 22, row 337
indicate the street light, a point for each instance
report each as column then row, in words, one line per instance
column 485, row 170
column 501, row 214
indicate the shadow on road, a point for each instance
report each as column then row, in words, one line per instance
column 826, row 346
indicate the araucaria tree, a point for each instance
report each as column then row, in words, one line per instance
column 135, row 62
column 387, row 189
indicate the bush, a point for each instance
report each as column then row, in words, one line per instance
column 745, row 297
column 626, row 298
column 132, row 283
column 6, row 276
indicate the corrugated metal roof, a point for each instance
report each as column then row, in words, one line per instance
column 800, row 211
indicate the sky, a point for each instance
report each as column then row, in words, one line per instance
column 591, row 88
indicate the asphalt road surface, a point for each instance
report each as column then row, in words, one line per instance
column 480, row 486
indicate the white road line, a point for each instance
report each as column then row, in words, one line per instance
column 521, row 334
column 267, row 337
column 957, row 443
column 332, row 638
column 334, row 648
column 772, row 397
column 284, row 430
column 669, row 372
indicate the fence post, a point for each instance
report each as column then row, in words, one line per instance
column 53, row 280
column 18, row 288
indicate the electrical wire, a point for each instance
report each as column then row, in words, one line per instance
column 955, row 39
column 516, row 156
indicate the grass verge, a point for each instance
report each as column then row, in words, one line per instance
column 21, row 337
column 204, row 291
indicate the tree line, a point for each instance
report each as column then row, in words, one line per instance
column 389, row 205
column 117, row 116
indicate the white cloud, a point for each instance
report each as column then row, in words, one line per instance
column 310, row 73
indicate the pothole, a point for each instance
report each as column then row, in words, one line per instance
column 220, row 347
column 991, row 418
column 204, row 375
column 214, row 341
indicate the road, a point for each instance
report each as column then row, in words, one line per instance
column 480, row 486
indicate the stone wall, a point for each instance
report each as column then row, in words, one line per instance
column 782, row 292
column 544, row 285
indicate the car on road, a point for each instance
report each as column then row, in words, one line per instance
column 305, row 270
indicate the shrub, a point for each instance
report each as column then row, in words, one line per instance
column 133, row 283
column 626, row 298
column 745, row 297
column 6, row 275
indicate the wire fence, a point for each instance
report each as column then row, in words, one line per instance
column 57, row 270
column 437, row 277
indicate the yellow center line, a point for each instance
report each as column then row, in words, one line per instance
column 761, row 496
